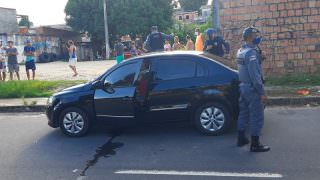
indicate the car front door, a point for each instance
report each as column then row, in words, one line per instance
column 175, row 84
column 116, row 98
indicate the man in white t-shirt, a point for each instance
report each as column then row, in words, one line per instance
column 3, row 66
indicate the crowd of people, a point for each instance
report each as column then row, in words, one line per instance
column 11, row 65
column 213, row 44
column 158, row 41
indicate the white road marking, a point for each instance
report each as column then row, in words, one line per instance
column 199, row 173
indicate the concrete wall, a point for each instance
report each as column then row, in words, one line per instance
column 290, row 29
column 8, row 20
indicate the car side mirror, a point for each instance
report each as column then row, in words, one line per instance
column 107, row 86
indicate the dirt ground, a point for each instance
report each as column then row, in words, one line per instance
column 59, row 70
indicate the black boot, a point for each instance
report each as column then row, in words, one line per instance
column 256, row 146
column 242, row 139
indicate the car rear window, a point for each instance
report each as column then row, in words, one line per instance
column 221, row 60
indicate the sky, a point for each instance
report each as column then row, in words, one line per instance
column 40, row 12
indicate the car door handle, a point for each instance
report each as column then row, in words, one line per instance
column 127, row 98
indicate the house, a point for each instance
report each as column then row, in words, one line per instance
column 65, row 33
column 206, row 12
column 185, row 16
column 49, row 41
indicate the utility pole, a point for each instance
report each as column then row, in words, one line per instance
column 106, row 29
column 216, row 15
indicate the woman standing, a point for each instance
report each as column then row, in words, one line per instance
column 72, row 57
column 176, row 44
column 190, row 44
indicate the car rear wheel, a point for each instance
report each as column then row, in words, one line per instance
column 74, row 122
column 212, row 119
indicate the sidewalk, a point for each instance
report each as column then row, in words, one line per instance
column 23, row 105
column 60, row 70
column 39, row 104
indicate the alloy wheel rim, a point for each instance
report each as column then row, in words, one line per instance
column 212, row 118
column 73, row 122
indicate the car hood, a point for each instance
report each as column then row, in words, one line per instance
column 76, row 88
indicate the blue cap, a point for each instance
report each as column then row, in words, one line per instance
column 248, row 31
column 211, row 31
column 28, row 41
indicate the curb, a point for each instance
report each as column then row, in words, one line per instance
column 273, row 101
column 294, row 101
column 14, row 109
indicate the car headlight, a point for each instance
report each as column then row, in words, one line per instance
column 51, row 100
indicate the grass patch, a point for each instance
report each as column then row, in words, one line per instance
column 28, row 89
column 294, row 80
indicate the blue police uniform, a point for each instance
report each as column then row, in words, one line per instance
column 155, row 41
column 217, row 43
column 251, row 89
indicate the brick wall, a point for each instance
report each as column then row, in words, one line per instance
column 290, row 29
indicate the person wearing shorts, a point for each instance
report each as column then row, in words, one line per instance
column 119, row 49
column 29, row 51
column 13, row 65
column 3, row 66
column 72, row 57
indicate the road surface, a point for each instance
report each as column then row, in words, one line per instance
column 29, row 149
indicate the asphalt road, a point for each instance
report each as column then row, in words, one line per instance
column 30, row 150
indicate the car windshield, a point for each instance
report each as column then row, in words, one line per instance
column 229, row 63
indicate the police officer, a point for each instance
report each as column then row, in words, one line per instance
column 155, row 41
column 252, row 95
column 215, row 44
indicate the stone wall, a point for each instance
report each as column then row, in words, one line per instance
column 8, row 20
column 290, row 29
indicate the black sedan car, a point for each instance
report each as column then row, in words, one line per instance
column 171, row 86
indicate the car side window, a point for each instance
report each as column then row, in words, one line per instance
column 124, row 75
column 169, row 69
column 202, row 71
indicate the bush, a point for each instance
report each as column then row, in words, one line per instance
column 188, row 29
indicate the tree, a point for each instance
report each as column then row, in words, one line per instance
column 124, row 17
column 24, row 21
column 192, row 5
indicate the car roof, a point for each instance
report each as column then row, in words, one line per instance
column 168, row 53
column 210, row 57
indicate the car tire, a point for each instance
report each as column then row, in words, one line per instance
column 212, row 119
column 74, row 122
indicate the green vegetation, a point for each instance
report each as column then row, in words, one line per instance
column 294, row 80
column 192, row 5
column 124, row 17
column 27, row 89
column 25, row 22
column 182, row 30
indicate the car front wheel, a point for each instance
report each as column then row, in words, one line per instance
column 74, row 122
column 212, row 119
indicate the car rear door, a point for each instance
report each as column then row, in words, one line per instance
column 174, row 87
column 117, row 100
